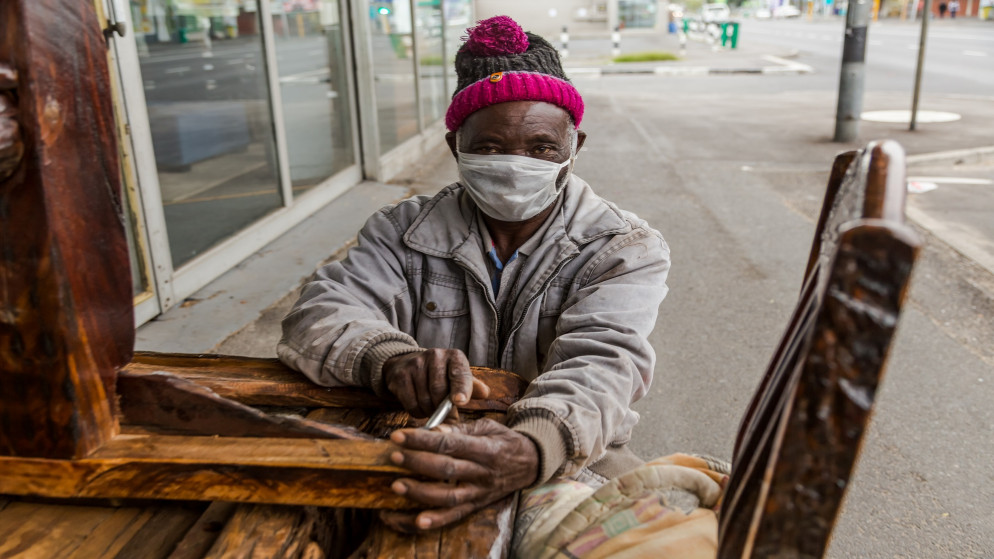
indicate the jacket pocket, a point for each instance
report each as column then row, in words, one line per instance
column 548, row 318
column 443, row 318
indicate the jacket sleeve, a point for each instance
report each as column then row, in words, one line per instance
column 351, row 317
column 601, row 360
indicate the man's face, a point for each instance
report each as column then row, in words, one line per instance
column 529, row 128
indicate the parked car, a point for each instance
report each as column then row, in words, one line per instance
column 713, row 13
column 763, row 13
column 786, row 11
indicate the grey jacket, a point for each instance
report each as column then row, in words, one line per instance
column 586, row 302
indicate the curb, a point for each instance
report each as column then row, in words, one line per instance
column 783, row 66
column 952, row 157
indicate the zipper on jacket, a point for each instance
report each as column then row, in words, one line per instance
column 493, row 305
column 502, row 343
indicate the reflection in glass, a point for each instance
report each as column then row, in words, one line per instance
column 314, row 89
column 203, row 70
column 434, row 99
column 458, row 17
column 393, row 71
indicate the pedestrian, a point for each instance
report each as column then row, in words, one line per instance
column 953, row 8
column 942, row 10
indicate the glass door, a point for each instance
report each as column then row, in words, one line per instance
column 203, row 73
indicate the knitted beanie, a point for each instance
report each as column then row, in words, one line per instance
column 499, row 63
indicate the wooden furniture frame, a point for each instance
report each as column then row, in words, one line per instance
column 799, row 440
column 81, row 416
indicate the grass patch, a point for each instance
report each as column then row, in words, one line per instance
column 652, row 56
column 431, row 60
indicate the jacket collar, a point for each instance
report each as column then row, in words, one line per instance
column 446, row 225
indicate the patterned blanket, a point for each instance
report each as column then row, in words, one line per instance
column 664, row 509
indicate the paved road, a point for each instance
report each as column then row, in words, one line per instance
column 958, row 56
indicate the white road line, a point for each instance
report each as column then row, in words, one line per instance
column 974, row 53
column 178, row 70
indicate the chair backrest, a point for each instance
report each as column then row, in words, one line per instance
column 800, row 437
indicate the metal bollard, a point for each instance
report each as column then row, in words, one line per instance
column 616, row 40
column 564, row 39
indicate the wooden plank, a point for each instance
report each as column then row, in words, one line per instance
column 66, row 317
column 271, row 532
column 157, row 537
column 378, row 425
column 484, row 534
column 50, row 530
column 267, row 382
column 107, row 539
column 341, row 473
column 164, row 401
column 204, row 532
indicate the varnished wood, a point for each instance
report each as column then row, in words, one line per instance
column 161, row 401
column 204, row 532
column 268, row 531
column 342, row 473
column 800, row 438
column 267, row 382
column 65, row 315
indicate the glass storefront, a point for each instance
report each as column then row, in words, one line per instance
column 203, row 72
column 310, row 54
column 237, row 107
column 393, row 71
column 458, row 17
column 431, row 60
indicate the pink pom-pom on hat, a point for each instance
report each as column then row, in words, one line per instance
column 496, row 36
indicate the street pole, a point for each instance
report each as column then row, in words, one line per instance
column 852, row 75
column 927, row 10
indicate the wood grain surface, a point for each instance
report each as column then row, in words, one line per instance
column 267, row 382
column 66, row 320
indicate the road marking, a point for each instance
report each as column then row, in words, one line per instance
column 951, row 180
column 875, row 43
column 208, row 67
column 974, row 53
column 178, row 70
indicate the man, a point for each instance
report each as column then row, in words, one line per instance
column 519, row 266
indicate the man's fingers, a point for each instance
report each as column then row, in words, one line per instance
column 463, row 441
column 439, row 466
column 422, row 394
column 480, row 389
column 441, row 495
column 460, row 378
column 438, row 380
column 434, row 519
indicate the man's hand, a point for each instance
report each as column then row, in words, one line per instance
column 476, row 464
column 423, row 379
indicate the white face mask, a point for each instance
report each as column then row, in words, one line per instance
column 510, row 187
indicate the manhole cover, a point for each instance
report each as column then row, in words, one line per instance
column 905, row 116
